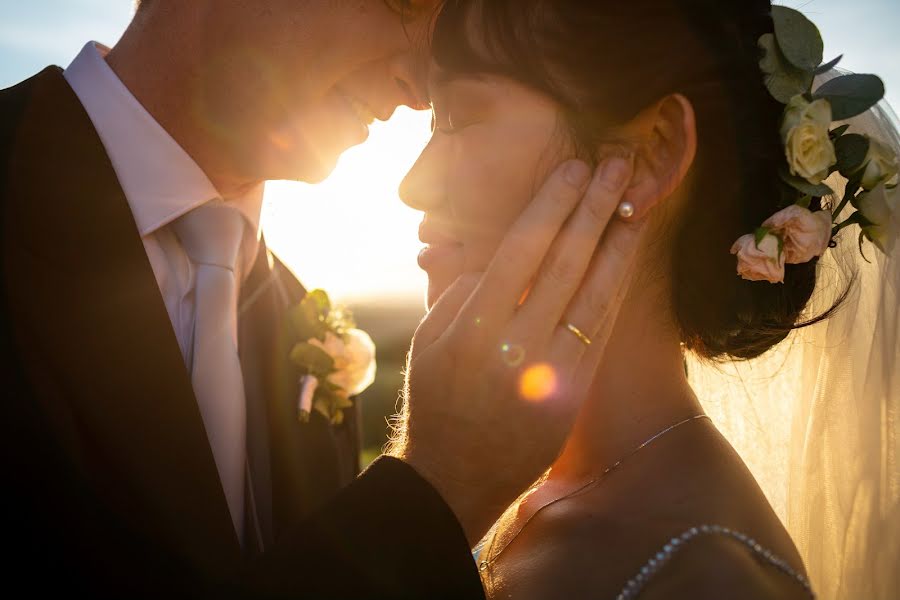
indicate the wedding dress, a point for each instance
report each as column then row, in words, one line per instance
column 817, row 419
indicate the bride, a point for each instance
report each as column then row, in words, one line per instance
column 649, row 497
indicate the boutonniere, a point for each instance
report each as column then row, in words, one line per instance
column 335, row 359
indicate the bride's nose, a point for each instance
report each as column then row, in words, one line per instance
column 423, row 187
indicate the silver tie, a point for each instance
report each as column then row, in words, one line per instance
column 211, row 236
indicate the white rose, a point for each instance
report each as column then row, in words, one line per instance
column 880, row 165
column 354, row 360
column 880, row 207
column 804, row 131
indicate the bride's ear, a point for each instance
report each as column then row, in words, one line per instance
column 666, row 144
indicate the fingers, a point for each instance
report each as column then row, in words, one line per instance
column 523, row 248
column 564, row 268
column 597, row 301
column 445, row 310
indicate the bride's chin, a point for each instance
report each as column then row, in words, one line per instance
column 437, row 285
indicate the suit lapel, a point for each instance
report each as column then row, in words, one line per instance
column 295, row 467
column 258, row 311
column 101, row 349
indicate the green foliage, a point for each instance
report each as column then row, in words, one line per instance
column 331, row 404
column 851, row 95
column 320, row 301
column 829, row 65
column 851, row 150
column 760, row 234
column 307, row 317
column 783, row 79
column 803, row 186
column 838, row 131
column 312, row 360
column 798, row 38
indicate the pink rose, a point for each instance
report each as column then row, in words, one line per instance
column 805, row 234
column 763, row 262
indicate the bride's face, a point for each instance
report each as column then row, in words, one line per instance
column 493, row 143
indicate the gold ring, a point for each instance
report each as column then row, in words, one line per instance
column 579, row 334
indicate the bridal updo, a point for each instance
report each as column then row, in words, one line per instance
column 604, row 62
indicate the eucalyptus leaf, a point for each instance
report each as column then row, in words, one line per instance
column 312, row 360
column 829, row 65
column 804, row 202
column 783, row 80
column 319, row 300
column 851, row 95
column 305, row 322
column 323, row 407
column 799, row 39
column 851, row 151
column 838, row 131
column 805, row 187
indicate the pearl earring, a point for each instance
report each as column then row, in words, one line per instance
column 626, row 210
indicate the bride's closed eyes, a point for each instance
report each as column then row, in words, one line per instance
column 458, row 104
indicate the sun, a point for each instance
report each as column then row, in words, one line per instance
column 351, row 235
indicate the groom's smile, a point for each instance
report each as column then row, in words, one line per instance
column 274, row 90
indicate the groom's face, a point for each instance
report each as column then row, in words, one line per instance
column 289, row 85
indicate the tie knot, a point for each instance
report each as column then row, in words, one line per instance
column 211, row 235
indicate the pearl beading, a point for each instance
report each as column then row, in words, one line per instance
column 635, row 585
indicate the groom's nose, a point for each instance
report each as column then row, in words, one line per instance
column 409, row 74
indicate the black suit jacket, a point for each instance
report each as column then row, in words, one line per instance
column 110, row 488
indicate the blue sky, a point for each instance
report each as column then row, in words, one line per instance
column 34, row 33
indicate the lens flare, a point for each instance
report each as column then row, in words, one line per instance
column 513, row 354
column 538, row 383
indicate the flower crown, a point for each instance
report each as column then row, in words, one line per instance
column 792, row 57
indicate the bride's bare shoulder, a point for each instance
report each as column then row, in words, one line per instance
column 568, row 549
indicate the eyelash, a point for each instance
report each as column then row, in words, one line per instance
column 451, row 130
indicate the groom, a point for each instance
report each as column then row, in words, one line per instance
column 150, row 441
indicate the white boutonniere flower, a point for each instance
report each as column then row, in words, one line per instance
column 336, row 361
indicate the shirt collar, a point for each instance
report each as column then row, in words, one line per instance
column 160, row 180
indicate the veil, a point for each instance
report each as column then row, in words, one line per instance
column 817, row 419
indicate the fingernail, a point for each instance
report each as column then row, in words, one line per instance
column 614, row 171
column 577, row 173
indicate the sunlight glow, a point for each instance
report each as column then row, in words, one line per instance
column 538, row 383
column 351, row 235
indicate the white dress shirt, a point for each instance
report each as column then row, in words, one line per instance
column 161, row 183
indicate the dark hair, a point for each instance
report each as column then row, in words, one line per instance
column 604, row 62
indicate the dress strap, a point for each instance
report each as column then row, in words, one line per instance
column 637, row 584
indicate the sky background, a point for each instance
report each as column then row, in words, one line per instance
column 351, row 234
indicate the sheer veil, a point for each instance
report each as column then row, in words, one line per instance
column 817, row 419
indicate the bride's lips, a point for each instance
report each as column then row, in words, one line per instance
column 440, row 249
